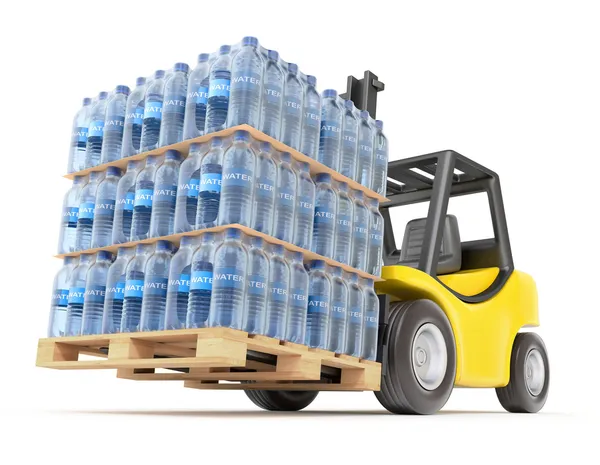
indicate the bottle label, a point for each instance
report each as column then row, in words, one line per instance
column 330, row 129
column 143, row 198
column 105, row 207
column 136, row 116
column 86, row 211
column 114, row 123
column 127, row 202
column 96, row 129
column 344, row 224
column 312, row 116
column 298, row 297
column 210, row 182
column 229, row 277
column 265, row 187
column 349, row 139
column 165, row 193
column 174, row 104
column 371, row 321
column 316, row 304
column 70, row 216
column 118, row 290
column 76, row 295
column 278, row 291
column 355, row 315
column 134, row 288
column 257, row 284
column 190, row 188
column 365, row 150
column 200, row 95
column 80, row 135
column 286, row 197
column 60, row 297
column 338, row 310
column 201, row 281
column 273, row 94
column 219, row 88
column 156, row 285
column 182, row 284
column 381, row 157
column 360, row 229
column 324, row 215
column 292, row 106
column 246, row 80
column 95, row 294
column 376, row 234
column 237, row 177
column 306, row 205
column 153, row 110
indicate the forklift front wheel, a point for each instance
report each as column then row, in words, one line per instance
column 281, row 401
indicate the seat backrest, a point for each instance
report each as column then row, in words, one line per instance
column 450, row 259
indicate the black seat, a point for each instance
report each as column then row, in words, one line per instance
column 450, row 253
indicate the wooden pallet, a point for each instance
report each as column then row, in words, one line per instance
column 212, row 358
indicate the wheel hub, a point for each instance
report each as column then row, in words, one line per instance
column 535, row 373
column 429, row 356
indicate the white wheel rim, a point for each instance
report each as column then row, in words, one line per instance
column 429, row 356
column 535, row 372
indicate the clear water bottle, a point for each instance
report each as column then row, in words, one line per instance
column 355, row 317
column 371, row 321
column 57, row 323
column 375, row 245
column 305, row 207
column 143, row 201
column 349, row 153
column 125, row 202
column 380, row 167
column 237, row 185
column 93, row 148
column 279, row 289
column 115, row 291
column 87, row 207
column 156, row 283
column 298, row 300
column 218, row 91
column 162, row 222
column 76, row 294
column 153, row 109
column 70, row 214
column 171, row 126
column 209, row 194
column 134, row 119
column 180, row 274
column 323, row 239
column 285, row 200
column 293, row 100
column 246, row 85
column 114, row 125
column 188, row 187
column 264, row 189
column 257, row 279
column 134, row 288
column 104, row 213
column 79, row 136
column 364, row 167
column 343, row 229
column 311, row 124
column 339, row 311
column 360, row 233
column 95, row 294
column 319, row 309
column 201, row 282
column 229, row 282
column 197, row 99
column 272, row 101
column 330, row 140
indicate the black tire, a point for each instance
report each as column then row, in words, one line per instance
column 516, row 396
column 281, row 401
column 401, row 392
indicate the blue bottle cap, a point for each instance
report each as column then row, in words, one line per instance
column 223, row 49
column 87, row 101
column 186, row 240
column 298, row 256
column 368, row 282
column 241, row 136
column 86, row 258
column 265, row 147
column 379, row 124
column 102, row 95
column 173, row 155
column 329, row 93
column 208, row 237
column 142, row 248
column 323, row 177
column 125, row 251
column 343, row 186
column 134, row 164
column 122, row 90
column 164, row 245
column 364, row 114
column 232, row 233
column 318, row 265
column 277, row 249
column 159, row 74
column 353, row 277
column 312, row 81
column 358, row 195
column 78, row 179
column 285, row 157
column 257, row 242
column 292, row 68
column 153, row 160
column 336, row 271
column 140, row 81
column 113, row 171
column 349, row 104
column 373, row 203
column 304, row 166
column 273, row 55
column 216, row 142
column 203, row 57
column 95, row 175
column 104, row 255
column 249, row 40
column 181, row 67
column 69, row 260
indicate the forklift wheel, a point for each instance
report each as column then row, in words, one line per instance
column 421, row 359
column 527, row 389
column 281, row 401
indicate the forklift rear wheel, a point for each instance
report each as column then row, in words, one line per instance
column 281, row 401
column 421, row 359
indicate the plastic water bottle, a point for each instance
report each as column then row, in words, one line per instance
column 229, row 282
column 156, row 283
column 79, row 136
column 197, row 99
column 305, row 207
column 325, row 217
column 343, row 229
column 171, row 127
column 380, row 167
column 291, row 118
column 331, row 130
column 237, row 185
column 125, row 202
column 87, row 206
column 349, row 153
column 104, row 213
column 264, row 189
column 298, row 300
column 279, row 289
column 360, row 233
column 375, row 245
column 311, row 125
column 364, row 169
column 319, row 310
column 134, row 119
column 115, row 291
column 143, row 201
column 114, row 124
column 371, row 321
column 95, row 136
column 246, row 85
column 178, row 291
column 209, row 190
column 188, row 187
column 70, row 213
column 153, row 108
column 134, row 288
column 57, row 323
column 218, row 91
column 339, row 310
column 285, row 200
column 257, row 279
column 272, row 101
column 162, row 222
column 355, row 317
column 95, row 293
column 201, row 282
column 76, row 294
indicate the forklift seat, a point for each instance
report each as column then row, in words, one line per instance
column 450, row 259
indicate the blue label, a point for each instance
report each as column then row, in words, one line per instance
column 114, row 123
column 316, row 304
column 219, row 88
column 355, row 315
column 338, row 310
column 306, row 205
column 376, row 236
column 210, row 182
column 286, row 197
column 165, row 193
column 156, row 285
column 174, row 104
column 365, row 150
column 60, row 297
column 371, row 321
column 265, row 187
column 96, row 129
column 76, row 295
column 183, row 283
column 330, row 129
column 134, row 288
column 229, row 277
column 349, row 139
column 381, row 157
column 105, row 207
column 273, row 94
column 143, row 198
column 70, row 216
column 153, row 110
column 118, row 290
column 292, row 106
column 360, row 229
column 257, row 284
column 136, row 116
column 201, row 281
column 86, row 211
column 278, row 291
column 200, row 95
column 237, row 177
column 190, row 188
column 95, row 294
column 344, row 224
column 312, row 116
column 246, row 80
column 81, row 135
column 324, row 215
column 127, row 202
column 298, row 297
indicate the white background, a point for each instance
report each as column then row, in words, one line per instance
column 511, row 84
